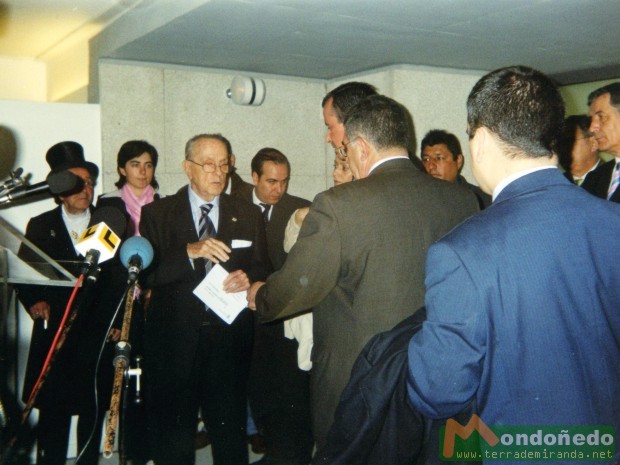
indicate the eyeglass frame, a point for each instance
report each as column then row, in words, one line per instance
column 341, row 152
column 435, row 158
column 224, row 167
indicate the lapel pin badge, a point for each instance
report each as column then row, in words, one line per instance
column 234, row 218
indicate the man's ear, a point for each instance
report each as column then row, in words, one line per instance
column 459, row 162
column 232, row 160
column 478, row 143
column 187, row 168
column 364, row 149
column 255, row 178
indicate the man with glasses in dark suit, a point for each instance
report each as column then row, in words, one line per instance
column 359, row 259
column 193, row 357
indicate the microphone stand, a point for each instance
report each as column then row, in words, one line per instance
column 53, row 355
column 120, row 388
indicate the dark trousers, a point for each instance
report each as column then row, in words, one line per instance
column 217, row 385
column 279, row 396
column 53, row 437
column 288, row 439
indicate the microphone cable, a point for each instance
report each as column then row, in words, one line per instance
column 55, row 347
column 96, row 387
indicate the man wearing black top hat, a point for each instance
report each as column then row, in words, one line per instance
column 69, row 387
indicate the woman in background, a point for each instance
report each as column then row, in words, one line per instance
column 137, row 186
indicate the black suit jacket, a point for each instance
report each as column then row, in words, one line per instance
column 175, row 313
column 70, row 384
column 597, row 182
column 280, row 215
column 240, row 188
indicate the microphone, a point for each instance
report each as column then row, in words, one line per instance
column 136, row 254
column 101, row 239
column 15, row 181
column 63, row 182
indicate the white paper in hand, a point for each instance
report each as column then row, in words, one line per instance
column 211, row 291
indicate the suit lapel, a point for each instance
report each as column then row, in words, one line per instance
column 603, row 185
column 186, row 227
column 277, row 215
column 615, row 197
column 227, row 220
column 59, row 231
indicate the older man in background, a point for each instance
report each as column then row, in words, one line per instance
column 605, row 113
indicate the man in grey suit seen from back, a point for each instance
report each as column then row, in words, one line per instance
column 359, row 259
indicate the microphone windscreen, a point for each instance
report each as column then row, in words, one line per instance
column 64, row 182
column 112, row 217
column 136, row 245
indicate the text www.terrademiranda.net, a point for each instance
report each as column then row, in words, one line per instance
column 534, row 455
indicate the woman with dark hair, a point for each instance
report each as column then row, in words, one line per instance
column 135, row 163
column 137, row 186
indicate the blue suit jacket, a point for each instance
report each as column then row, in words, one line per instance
column 523, row 306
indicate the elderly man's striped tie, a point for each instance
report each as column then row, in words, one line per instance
column 206, row 229
column 205, row 225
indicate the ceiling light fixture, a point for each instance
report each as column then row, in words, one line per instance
column 246, row 91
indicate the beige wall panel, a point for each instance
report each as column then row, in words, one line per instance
column 132, row 107
column 289, row 119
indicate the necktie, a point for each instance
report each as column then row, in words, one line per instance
column 266, row 209
column 205, row 225
column 206, row 230
column 615, row 180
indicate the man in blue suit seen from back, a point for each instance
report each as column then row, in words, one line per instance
column 523, row 299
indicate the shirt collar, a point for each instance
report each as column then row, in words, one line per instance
column 383, row 160
column 196, row 201
column 513, row 177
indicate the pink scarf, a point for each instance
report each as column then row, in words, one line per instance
column 134, row 204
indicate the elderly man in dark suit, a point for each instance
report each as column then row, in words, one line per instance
column 278, row 388
column 359, row 259
column 605, row 112
column 522, row 300
column 193, row 357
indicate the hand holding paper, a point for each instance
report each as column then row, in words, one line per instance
column 213, row 292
